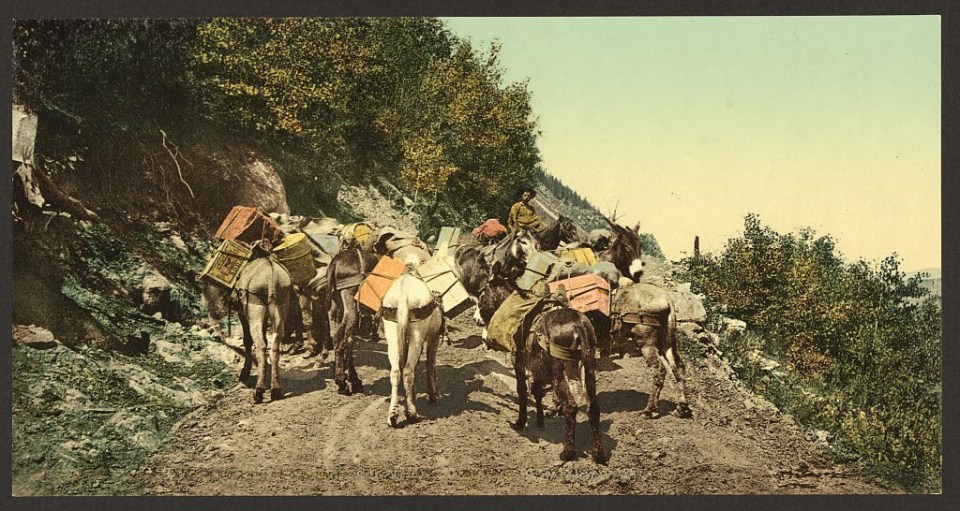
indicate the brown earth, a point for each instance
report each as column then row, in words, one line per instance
column 314, row 441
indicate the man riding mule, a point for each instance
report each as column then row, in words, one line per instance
column 522, row 215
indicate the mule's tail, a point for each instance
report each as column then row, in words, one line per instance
column 403, row 321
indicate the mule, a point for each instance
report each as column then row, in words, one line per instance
column 346, row 272
column 412, row 320
column 563, row 230
column 644, row 315
column 555, row 346
column 509, row 256
column 264, row 292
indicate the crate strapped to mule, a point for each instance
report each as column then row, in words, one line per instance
column 450, row 236
column 586, row 293
column 225, row 264
column 442, row 279
column 584, row 256
column 295, row 255
column 379, row 281
column 537, row 270
column 249, row 225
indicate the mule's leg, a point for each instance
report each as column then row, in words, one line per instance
column 519, row 372
column 338, row 319
column 568, row 406
column 247, row 350
column 678, row 370
column 351, row 319
column 409, row 384
column 393, row 354
column 650, row 354
column 541, row 370
column 258, row 327
column 590, row 382
column 321, row 331
column 275, row 391
column 433, row 343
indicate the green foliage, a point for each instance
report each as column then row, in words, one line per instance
column 863, row 335
column 361, row 98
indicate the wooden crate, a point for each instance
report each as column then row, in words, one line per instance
column 583, row 256
column 537, row 270
column 226, row 262
column 249, row 225
column 442, row 279
column 379, row 281
column 586, row 293
column 450, row 236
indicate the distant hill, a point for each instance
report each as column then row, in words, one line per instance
column 563, row 200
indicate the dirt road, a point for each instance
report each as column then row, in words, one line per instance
column 314, row 441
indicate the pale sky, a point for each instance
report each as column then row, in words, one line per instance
column 690, row 123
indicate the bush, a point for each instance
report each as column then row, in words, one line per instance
column 840, row 328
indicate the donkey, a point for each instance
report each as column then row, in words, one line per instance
column 555, row 343
column 346, row 272
column 265, row 293
column 563, row 230
column 476, row 265
column 412, row 320
column 644, row 314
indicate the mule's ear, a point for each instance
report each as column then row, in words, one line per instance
column 636, row 228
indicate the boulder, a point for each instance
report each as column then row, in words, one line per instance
column 260, row 185
column 689, row 307
column 155, row 295
column 34, row 337
column 733, row 325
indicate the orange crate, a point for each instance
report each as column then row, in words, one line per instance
column 379, row 281
column 586, row 293
column 249, row 225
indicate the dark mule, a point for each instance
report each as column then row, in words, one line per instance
column 644, row 314
column 476, row 264
column 625, row 251
column 472, row 268
column 553, row 348
column 346, row 272
column 509, row 256
column 562, row 231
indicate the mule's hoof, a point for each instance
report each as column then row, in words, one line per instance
column 393, row 421
column 258, row 396
column 568, row 455
column 356, row 387
column 648, row 414
column 345, row 391
column 518, row 426
column 276, row 394
column 683, row 411
column 413, row 418
column 600, row 458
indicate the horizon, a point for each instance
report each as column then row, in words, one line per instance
column 688, row 124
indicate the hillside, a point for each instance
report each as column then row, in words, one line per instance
column 120, row 387
column 89, row 410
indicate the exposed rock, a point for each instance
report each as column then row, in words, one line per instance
column 34, row 337
column 757, row 358
column 260, row 185
column 155, row 294
column 689, row 307
column 733, row 325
